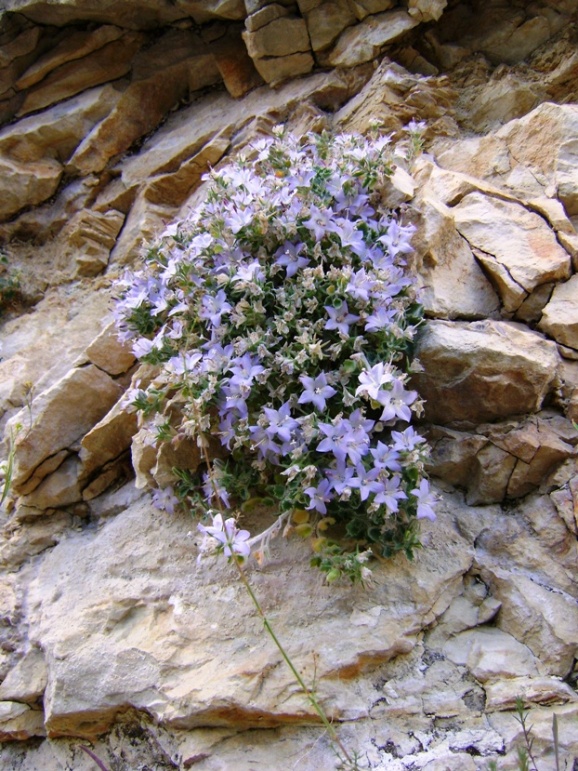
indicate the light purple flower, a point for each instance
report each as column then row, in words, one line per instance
column 281, row 423
column 233, row 540
column 381, row 318
column 316, row 390
column 349, row 235
column 396, row 403
column 164, row 499
column 213, row 307
column 406, row 440
column 391, row 494
column 289, row 256
column 371, row 381
column 340, row 318
column 425, row 501
column 319, row 496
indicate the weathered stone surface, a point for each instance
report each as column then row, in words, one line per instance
column 173, row 189
column 235, row 66
column 144, row 14
column 87, row 240
column 27, row 680
column 18, row 721
column 61, row 416
column 454, row 286
column 281, row 37
column 56, row 132
column 58, row 489
column 264, row 16
column 161, row 78
column 109, row 63
column 138, row 614
column 560, row 316
column 502, row 694
column 483, row 370
column 109, row 353
column 516, row 247
column 279, row 68
column 26, row 184
column 364, row 41
column 327, row 21
column 426, row 10
column 363, row 8
column 491, row 654
column 76, row 46
column 108, row 439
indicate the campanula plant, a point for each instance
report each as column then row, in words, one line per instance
column 282, row 313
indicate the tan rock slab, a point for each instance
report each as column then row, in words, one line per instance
column 108, row 439
column 27, row 680
column 162, row 76
column 483, row 370
column 560, row 317
column 281, row 37
column 516, row 247
column 264, row 16
column 454, row 285
column 61, row 488
column 363, row 8
column 20, row 722
column 57, row 131
column 26, row 184
column 74, row 46
column 143, row 223
column 174, row 188
column 110, row 62
column 279, row 68
column 86, row 241
column 491, row 654
column 158, row 639
column 17, row 45
column 327, row 21
column 235, row 66
column 109, row 353
column 62, row 415
column 427, row 10
column 502, row 694
column 364, row 41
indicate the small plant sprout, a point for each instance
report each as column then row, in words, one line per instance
column 282, row 316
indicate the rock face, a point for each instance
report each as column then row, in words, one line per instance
column 112, row 634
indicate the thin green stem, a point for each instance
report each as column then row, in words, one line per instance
column 309, row 695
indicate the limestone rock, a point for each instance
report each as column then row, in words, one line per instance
column 426, row 10
column 264, row 16
column 483, row 370
column 108, row 439
column 173, row 188
column 235, row 66
column 76, row 46
column 26, row 184
column 363, row 8
column 150, row 610
column 143, row 223
column 454, row 285
column 109, row 353
column 61, row 416
column 88, row 239
column 560, row 316
column 327, row 21
column 491, row 654
column 364, row 41
column 109, row 63
column 19, row 721
column 160, row 79
column 281, row 37
column 276, row 69
column 27, row 680
column 502, row 694
column 516, row 248
column 57, row 131
column 58, row 489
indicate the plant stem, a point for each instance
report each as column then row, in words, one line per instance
column 310, row 696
